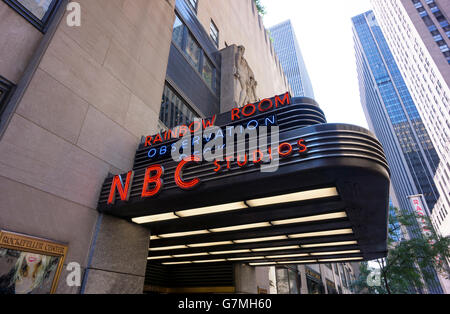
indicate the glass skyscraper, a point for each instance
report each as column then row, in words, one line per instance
column 418, row 34
column 291, row 59
column 393, row 116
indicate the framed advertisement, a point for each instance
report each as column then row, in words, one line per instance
column 29, row 265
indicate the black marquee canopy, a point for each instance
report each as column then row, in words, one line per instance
column 327, row 202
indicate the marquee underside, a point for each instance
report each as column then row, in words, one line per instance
column 328, row 205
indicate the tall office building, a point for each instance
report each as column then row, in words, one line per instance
column 392, row 115
column 75, row 103
column 418, row 34
column 288, row 50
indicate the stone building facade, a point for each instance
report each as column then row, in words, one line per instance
column 77, row 101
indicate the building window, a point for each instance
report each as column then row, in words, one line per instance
column 193, row 4
column 314, row 282
column 185, row 41
column 5, row 91
column 287, row 281
column 214, row 33
column 193, row 51
column 282, row 281
column 174, row 110
column 178, row 32
column 208, row 72
column 37, row 12
column 314, row 287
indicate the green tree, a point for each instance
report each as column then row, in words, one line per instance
column 260, row 7
column 361, row 286
column 409, row 263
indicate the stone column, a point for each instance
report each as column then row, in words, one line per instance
column 245, row 279
column 118, row 258
column 323, row 277
column 228, row 92
column 238, row 82
column 304, row 283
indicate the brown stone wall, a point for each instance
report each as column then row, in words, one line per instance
column 239, row 23
column 425, row 34
column 18, row 41
column 96, row 91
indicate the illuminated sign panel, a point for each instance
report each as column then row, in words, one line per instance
column 324, row 186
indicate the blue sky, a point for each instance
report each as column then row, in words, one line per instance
column 324, row 32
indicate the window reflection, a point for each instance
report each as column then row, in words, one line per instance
column 186, row 42
column 5, row 89
column 38, row 7
column 287, row 281
column 175, row 111
column 208, row 72
column 193, row 51
column 177, row 36
column 214, row 33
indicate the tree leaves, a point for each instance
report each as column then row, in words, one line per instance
column 411, row 262
column 261, row 9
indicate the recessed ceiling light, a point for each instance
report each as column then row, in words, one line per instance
column 299, row 262
column 262, row 264
column 342, row 243
column 212, row 209
column 294, row 197
column 341, row 259
column 210, row 244
column 175, row 247
column 321, row 233
column 288, row 256
column 280, row 248
column 176, row 263
column 229, row 252
column 242, row 227
column 261, row 239
column 154, row 218
column 336, row 253
column 210, row 261
column 190, row 255
column 310, row 218
column 183, row 234
column 244, row 258
column 159, row 257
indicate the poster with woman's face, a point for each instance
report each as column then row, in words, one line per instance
column 29, row 265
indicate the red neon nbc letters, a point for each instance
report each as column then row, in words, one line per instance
column 179, row 172
column 124, row 191
column 154, row 175
column 156, row 179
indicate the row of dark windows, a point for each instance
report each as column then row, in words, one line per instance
column 187, row 43
column 442, row 20
column 193, row 4
column 174, row 110
column 38, row 12
column 213, row 30
column 5, row 92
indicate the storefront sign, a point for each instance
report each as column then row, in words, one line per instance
column 154, row 175
column 330, row 284
column 312, row 274
column 29, row 265
column 260, row 114
column 419, row 209
column 236, row 115
column 209, row 190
